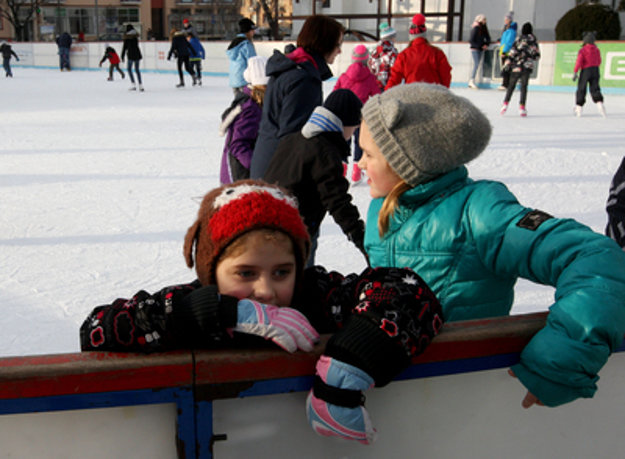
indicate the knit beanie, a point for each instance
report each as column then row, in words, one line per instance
column 589, row 38
column 245, row 25
column 345, row 105
column 360, row 54
column 230, row 211
column 417, row 27
column 527, row 29
column 255, row 71
column 425, row 130
column 510, row 15
column 386, row 31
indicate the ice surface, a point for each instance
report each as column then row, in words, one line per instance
column 99, row 184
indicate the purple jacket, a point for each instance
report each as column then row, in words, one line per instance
column 240, row 126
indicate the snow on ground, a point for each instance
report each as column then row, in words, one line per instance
column 99, row 184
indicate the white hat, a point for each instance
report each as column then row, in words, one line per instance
column 255, row 71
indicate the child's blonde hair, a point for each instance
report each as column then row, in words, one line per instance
column 258, row 94
column 389, row 206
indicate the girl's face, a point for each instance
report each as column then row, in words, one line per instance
column 381, row 178
column 263, row 270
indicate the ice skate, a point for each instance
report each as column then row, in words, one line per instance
column 180, row 85
column 502, row 88
column 356, row 174
column 194, row 81
column 504, row 108
column 578, row 110
column 133, row 87
column 472, row 84
column 109, row 79
column 601, row 109
column 522, row 111
column 141, row 87
column 199, row 82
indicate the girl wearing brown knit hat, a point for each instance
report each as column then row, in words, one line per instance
column 249, row 245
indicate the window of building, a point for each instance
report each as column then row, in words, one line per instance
column 81, row 19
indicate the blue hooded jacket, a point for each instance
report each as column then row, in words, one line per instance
column 239, row 52
column 471, row 240
column 508, row 37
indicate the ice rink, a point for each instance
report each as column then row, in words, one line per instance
column 98, row 185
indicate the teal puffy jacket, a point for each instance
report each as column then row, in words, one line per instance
column 471, row 240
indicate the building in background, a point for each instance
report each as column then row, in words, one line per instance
column 106, row 19
column 448, row 20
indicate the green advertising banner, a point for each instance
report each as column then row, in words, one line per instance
column 612, row 64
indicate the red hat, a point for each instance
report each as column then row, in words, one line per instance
column 186, row 21
column 230, row 211
column 418, row 24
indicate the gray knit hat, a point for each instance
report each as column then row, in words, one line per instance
column 424, row 130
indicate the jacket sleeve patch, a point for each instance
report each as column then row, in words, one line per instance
column 533, row 219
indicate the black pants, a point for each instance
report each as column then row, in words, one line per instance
column 524, row 77
column 115, row 67
column 187, row 65
column 588, row 77
column 505, row 74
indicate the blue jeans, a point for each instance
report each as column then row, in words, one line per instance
column 476, row 54
column 136, row 65
column 6, row 62
column 64, row 58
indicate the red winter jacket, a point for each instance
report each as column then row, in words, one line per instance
column 588, row 56
column 359, row 79
column 420, row 62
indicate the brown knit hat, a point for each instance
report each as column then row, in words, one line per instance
column 230, row 211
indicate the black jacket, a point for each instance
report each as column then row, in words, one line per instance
column 7, row 52
column 312, row 169
column 293, row 92
column 64, row 40
column 131, row 46
column 180, row 47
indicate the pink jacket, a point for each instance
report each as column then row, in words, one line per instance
column 359, row 79
column 588, row 56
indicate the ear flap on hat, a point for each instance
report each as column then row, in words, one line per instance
column 392, row 109
column 190, row 240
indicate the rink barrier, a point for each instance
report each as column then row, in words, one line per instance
column 192, row 380
column 553, row 70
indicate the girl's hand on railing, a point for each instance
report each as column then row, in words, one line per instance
column 529, row 399
column 286, row 327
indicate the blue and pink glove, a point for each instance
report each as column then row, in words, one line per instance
column 341, row 383
column 286, row 327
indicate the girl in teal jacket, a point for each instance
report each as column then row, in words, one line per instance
column 471, row 240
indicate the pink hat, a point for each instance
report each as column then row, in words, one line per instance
column 360, row 54
column 418, row 25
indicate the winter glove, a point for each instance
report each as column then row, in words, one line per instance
column 286, row 327
column 340, row 411
column 396, row 318
column 575, row 76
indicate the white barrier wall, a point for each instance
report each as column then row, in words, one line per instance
column 85, row 56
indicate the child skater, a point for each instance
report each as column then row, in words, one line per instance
column 196, row 61
column 587, row 64
column 111, row 55
column 7, row 52
column 359, row 79
column 240, row 121
column 471, row 239
column 248, row 246
column 520, row 63
column 383, row 56
column 309, row 164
